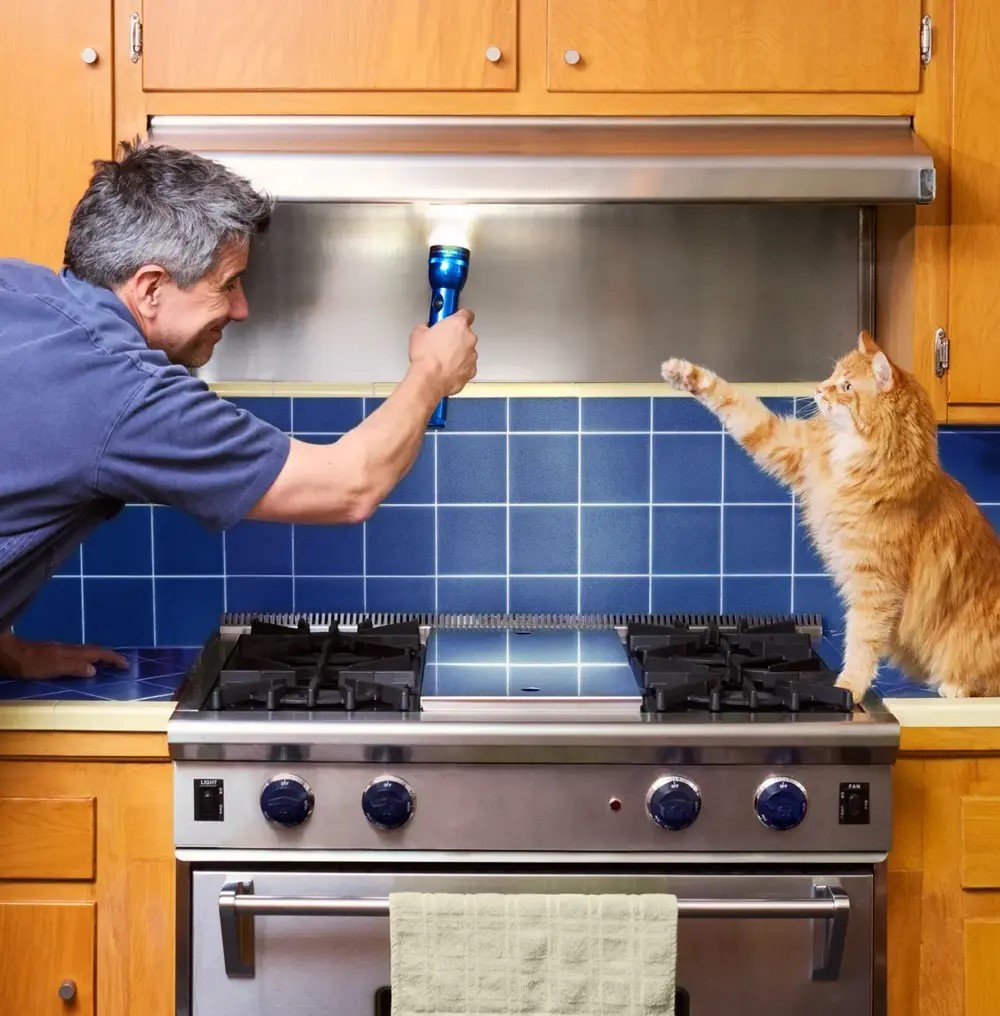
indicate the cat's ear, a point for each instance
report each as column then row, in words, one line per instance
column 882, row 369
column 866, row 344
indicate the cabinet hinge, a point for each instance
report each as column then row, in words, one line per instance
column 135, row 36
column 942, row 352
column 926, row 39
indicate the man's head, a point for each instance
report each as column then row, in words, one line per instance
column 169, row 232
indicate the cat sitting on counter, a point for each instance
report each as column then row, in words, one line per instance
column 915, row 560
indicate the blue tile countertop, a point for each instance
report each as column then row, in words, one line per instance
column 153, row 675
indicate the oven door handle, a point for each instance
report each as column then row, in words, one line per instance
column 829, row 907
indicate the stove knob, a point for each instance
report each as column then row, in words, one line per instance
column 673, row 803
column 286, row 800
column 388, row 802
column 781, row 803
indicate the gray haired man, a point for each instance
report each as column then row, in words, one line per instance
column 99, row 408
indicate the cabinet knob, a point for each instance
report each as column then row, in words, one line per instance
column 493, row 54
column 67, row 991
column 89, row 55
column 572, row 57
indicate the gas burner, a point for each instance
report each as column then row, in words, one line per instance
column 766, row 668
column 274, row 667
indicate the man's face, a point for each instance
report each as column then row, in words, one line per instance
column 189, row 322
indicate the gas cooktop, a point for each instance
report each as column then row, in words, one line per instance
column 653, row 665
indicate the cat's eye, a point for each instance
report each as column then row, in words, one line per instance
column 845, row 386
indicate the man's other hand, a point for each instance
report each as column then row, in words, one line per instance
column 448, row 350
column 19, row 658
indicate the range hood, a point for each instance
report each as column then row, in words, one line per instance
column 861, row 161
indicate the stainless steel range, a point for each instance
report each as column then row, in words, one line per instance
column 322, row 762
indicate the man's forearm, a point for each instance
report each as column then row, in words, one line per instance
column 391, row 438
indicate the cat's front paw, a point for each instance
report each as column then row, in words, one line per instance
column 856, row 684
column 685, row 376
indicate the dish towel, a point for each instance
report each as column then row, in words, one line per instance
column 532, row 955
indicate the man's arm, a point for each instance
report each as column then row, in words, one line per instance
column 346, row 481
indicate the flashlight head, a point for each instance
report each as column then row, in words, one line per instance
column 448, row 267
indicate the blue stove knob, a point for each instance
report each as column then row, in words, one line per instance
column 388, row 802
column 781, row 803
column 286, row 800
column 673, row 802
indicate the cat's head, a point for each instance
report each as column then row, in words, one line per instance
column 862, row 390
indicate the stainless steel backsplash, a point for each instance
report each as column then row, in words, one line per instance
column 597, row 292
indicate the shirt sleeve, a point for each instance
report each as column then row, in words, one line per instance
column 177, row 443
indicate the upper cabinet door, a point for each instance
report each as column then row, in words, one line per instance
column 974, row 293
column 55, row 93
column 734, row 45
column 316, row 45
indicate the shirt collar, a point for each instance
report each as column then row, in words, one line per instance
column 98, row 297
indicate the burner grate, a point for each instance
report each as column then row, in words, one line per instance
column 278, row 667
column 756, row 668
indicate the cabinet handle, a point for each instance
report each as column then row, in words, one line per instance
column 89, row 55
column 493, row 54
column 572, row 57
column 67, row 991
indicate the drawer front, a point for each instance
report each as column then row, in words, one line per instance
column 47, row 838
column 47, row 959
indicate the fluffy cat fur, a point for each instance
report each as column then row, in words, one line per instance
column 916, row 562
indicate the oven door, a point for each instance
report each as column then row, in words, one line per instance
column 316, row 943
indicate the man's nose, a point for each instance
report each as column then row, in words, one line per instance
column 239, row 309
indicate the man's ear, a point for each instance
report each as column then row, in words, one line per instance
column 866, row 344
column 145, row 287
column 885, row 378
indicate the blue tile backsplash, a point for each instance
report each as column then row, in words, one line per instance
column 521, row 504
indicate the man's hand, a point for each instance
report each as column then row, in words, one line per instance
column 448, row 349
column 52, row 659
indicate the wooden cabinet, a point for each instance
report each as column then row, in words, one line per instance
column 239, row 45
column 45, row 949
column 86, row 874
column 733, row 46
column 55, row 92
column 974, row 313
column 944, row 876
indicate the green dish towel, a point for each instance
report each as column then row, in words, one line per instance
column 565, row 955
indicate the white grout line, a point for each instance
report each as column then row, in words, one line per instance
column 507, row 506
column 791, row 588
column 152, row 569
column 461, row 575
column 225, row 577
column 649, row 596
column 83, row 607
column 291, row 427
column 579, row 505
column 722, row 521
column 434, row 446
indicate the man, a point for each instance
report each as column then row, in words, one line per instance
column 98, row 408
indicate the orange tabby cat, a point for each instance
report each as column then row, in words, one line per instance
column 916, row 561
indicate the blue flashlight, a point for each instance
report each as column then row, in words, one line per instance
column 448, row 268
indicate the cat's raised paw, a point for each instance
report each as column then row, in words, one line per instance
column 857, row 686
column 682, row 375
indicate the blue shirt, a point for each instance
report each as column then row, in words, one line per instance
column 91, row 417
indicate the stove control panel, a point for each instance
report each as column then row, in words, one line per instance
column 673, row 802
column 781, row 803
column 388, row 802
column 286, row 800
